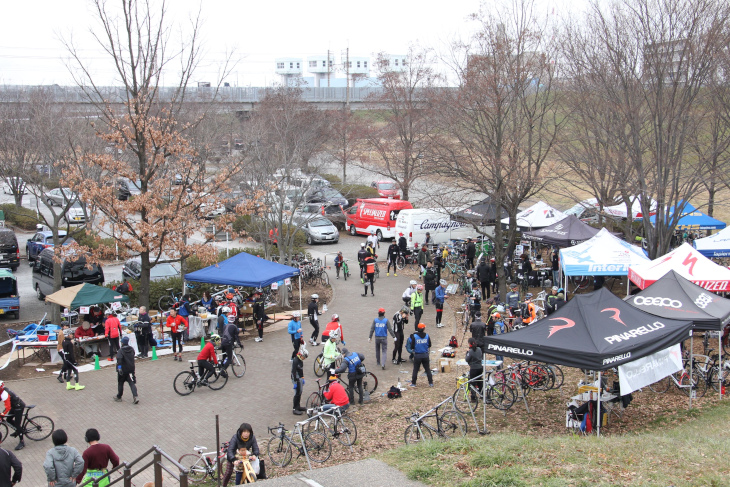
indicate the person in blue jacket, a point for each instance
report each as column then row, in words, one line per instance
column 420, row 343
column 439, row 297
column 381, row 328
column 295, row 330
column 351, row 363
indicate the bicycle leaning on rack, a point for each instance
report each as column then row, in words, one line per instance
column 334, row 423
column 36, row 428
column 200, row 465
column 279, row 447
column 450, row 424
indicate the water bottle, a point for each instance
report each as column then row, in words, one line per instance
column 399, row 386
column 324, row 308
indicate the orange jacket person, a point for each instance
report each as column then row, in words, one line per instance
column 112, row 331
column 177, row 326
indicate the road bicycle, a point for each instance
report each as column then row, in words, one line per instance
column 279, row 447
column 708, row 366
column 406, row 261
column 316, row 399
column 172, row 300
column 682, row 381
column 200, row 465
column 36, row 428
column 467, row 395
column 186, row 381
column 319, row 369
column 450, row 424
column 345, row 269
column 333, row 422
column 457, row 270
column 238, row 363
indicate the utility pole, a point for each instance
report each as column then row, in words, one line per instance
column 347, row 77
column 329, row 68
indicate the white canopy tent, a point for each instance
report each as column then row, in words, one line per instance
column 619, row 211
column 539, row 215
column 717, row 245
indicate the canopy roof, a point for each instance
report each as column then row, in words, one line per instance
column 568, row 231
column 243, row 270
column 673, row 296
column 481, row 213
column 692, row 219
column 602, row 255
column 5, row 273
column 84, row 295
column 619, row 210
column 595, row 331
column 688, row 263
column 717, row 245
column 538, row 215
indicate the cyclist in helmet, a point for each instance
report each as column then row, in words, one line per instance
column 330, row 353
column 369, row 263
column 400, row 320
column 14, row 407
column 409, row 290
column 417, row 303
column 361, row 259
column 295, row 330
column 297, row 377
column 313, row 312
column 223, row 313
column 333, row 325
column 373, row 240
column 229, row 338
column 207, row 358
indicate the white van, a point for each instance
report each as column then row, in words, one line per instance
column 413, row 224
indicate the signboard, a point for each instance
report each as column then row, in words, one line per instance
column 287, row 281
column 84, row 310
column 116, row 305
column 274, row 286
column 647, row 370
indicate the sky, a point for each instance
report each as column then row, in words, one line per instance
column 255, row 32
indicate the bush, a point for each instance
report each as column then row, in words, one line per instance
column 91, row 239
column 24, row 218
column 354, row 191
column 332, row 178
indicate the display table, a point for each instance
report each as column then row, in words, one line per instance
column 43, row 351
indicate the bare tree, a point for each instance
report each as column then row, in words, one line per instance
column 345, row 146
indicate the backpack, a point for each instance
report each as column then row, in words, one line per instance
column 394, row 393
column 448, row 352
column 453, row 342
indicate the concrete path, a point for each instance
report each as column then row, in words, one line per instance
column 370, row 472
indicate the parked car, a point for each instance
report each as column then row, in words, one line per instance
column 132, row 269
column 9, row 249
column 74, row 271
column 386, row 189
column 127, row 188
column 326, row 195
column 76, row 214
column 60, row 196
column 42, row 240
column 9, row 297
column 9, row 183
column 319, row 230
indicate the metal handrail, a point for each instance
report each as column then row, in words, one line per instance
column 127, row 475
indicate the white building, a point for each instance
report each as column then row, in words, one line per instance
column 322, row 67
column 290, row 69
column 394, row 62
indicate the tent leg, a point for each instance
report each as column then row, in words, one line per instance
column 300, row 293
column 691, row 359
column 628, row 285
column 719, row 360
column 598, row 413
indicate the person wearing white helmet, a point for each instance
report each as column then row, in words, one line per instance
column 439, row 297
column 223, row 312
column 409, row 290
column 333, row 325
column 373, row 240
column 313, row 312
column 295, row 330
column 330, row 354
column 361, row 260
column 417, row 303
column 297, row 378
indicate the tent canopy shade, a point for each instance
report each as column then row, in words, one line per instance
column 717, row 245
column 85, row 295
column 568, row 231
column 602, row 255
column 482, row 213
column 538, row 215
column 595, row 331
column 692, row 219
column 243, row 270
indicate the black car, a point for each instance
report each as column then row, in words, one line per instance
column 9, row 251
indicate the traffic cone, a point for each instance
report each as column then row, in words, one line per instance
column 96, row 363
column 202, row 343
column 154, row 353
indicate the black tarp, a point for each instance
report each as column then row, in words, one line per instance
column 565, row 233
column 482, row 213
column 595, row 331
column 673, row 296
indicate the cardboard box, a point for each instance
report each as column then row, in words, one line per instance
column 445, row 364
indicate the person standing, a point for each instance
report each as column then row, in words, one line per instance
column 222, row 321
column 96, row 459
column 69, row 370
column 393, row 253
column 471, row 252
column 429, row 279
column 493, row 275
column 13, row 410
column 421, row 345
column 339, row 259
column 144, row 327
column 439, row 298
column 483, row 276
column 400, row 320
column 381, row 328
column 259, row 314
column 184, row 311
column 125, row 371
column 428, row 241
column 475, row 299
column 373, row 241
column 478, row 329
column 438, row 262
column 207, row 302
column 330, row 354
column 424, row 256
column 417, row 303
column 474, row 358
column 176, row 323
column 9, row 462
column 112, row 331
column 353, row 364
column 369, row 263
column 513, row 298
column 63, row 463
column 297, row 377
column 362, row 253
column 313, row 312
column 402, row 244
column 555, row 259
column 295, row 330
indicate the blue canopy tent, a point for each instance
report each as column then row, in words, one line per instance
column 245, row 270
column 692, row 219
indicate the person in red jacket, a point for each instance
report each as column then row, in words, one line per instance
column 206, row 359
column 96, row 457
column 112, row 331
column 177, row 326
column 336, row 395
column 85, row 331
column 331, row 326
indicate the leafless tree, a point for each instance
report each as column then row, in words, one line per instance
column 346, row 141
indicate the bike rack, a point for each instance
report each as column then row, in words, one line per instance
column 181, row 476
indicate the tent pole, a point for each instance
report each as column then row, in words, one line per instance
column 628, row 285
column 719, row 360
column 598, row 413
column 484, row 392
column 691, row 359
column 300, row 292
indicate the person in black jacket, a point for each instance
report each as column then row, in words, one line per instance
column 259, row 314
column 313, row 312
column 69, row 370
column 125, row 371
column 393, row 253
column 143, row 330
column 478, row 329
column 243, row 438
column 9, row 462
column 483, row 276
column 429, row 279
column 471, row 252
column 297, row 378
column 400, row 320
column 474, row 358
column 229, row 338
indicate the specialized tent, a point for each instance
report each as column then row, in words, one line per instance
column 568, row 231
column 688, row 263
column 692, row 219
column 482, row 213
column 602, row 255
column 619, row 211
column 538, row 215
column 717, row 245
column 85, row 295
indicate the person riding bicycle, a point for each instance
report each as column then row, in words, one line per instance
column 417, row 303
column 13, row 412
column 373, row 241
column 408, row 292
column 336, row 395
column 297, row 378
column 330, row 353
column 530, row 315
column 313, row 313
column 439, row 297
column 339, row 259
column 362, row 253
column 393, row 253
column 400, row 320
column 353, row 364
column 513, row 298
column 333, row 325
column 243, row 438
column 369, row 263
column 207, row 358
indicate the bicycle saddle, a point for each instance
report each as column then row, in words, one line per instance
column 199, row 449
column 30, row 406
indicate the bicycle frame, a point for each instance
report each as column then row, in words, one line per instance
column 336, row 415
column 431, row 413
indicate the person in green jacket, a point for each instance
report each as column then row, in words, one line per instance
column 417, row 303
column 330, row 353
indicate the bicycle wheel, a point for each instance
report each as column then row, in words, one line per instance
column 345, row 271
column 346, row 430
column 192, row 297
column 165, row 303
column 279, row 451
column 718, row 377
column 313, row 401
column 463, row 399
column 319, row 447
column 698, row 385
column 558, row 373
column 184, row 383
column 453, row 424
column 3, row 431
column 661, row 386
column 217, row 382
column 39, row 428
column 318, row 365
column 197, row 470
column 400, row 262
column 415, row 435
column 370, row 383
column 238, row 365
column 501, row 395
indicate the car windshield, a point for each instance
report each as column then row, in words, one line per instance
column 386, row 186
column 79, row 269
column 293, row 194
column 330, row 193
column 320, row 222
column 163, row 270
column 77, row 204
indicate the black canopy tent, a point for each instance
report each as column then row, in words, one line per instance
column 567, row 232
column 483, row 213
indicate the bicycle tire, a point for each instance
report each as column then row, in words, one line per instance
column 453, row 424
column 196, row 472
column 238, row 366
column 414, row 435
column 313, row 401
column 279, row 451
column 698, row 384
column 718, row 381
column 661, row 386
column 3, row 431
column 184, row 383
column 346, row 431
column 317, row 365
column 218, row 383
column 165, row 303
column 400, row 262
column 463, row 400
column 501, row 395
column 39, row 428
column 319, row 446
column 559, row 377
column 370, row 380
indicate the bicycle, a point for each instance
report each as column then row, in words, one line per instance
column 682, row 381
column 319, row 369
column 580, row 282
column 201, row 465
column 279, row 446
column 186, row 381
column 450, row 424
column 467, row 396
column 238, row 363
column 36, row 428
column 169, row 301
column 345, row 269
column 340, row 426
column 409, row 259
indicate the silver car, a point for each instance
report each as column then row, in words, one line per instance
column 76, row 214
column 59, row 196
column 320, row 230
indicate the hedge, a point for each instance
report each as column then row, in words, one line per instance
column 20, row 217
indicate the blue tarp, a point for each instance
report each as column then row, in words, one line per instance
column 692, row 219
column 243, row 270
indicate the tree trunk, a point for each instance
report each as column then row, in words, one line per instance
column 57, row 284
column 144, row 280
column 18, row 200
